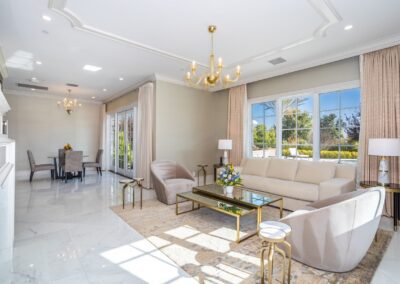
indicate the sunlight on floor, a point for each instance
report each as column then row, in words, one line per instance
column 227, row 234
column 184, row 255
column 221, row 274
column 210, row 242
column 182, row 232
column 243, row 257
column 158, row 242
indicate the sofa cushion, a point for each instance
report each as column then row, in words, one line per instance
column 255, row 167
column 282, row 169
column 315, row 172
column 346, row 171
column 292, row 189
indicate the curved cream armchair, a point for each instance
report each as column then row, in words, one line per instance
column 170, row 178
column 335, row 234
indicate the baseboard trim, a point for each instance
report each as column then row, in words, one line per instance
column 24, row 174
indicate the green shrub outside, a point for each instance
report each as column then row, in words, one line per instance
column 325, row 154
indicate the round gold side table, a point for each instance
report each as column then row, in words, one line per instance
column 392, row 188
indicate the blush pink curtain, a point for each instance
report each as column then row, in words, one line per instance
column 145, row 132
column 380, row 112
column 236, row 122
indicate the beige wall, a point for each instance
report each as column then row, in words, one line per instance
column 189, row 123
column 332, row 73
column 39, row 125
column 123, row 101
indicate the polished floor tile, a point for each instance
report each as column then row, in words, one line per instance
column 66, row 233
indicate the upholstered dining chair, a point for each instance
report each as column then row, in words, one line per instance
column 61, row 160
column 170, row 178
column 334, row 234
column 96, row 164
column 73, row 164
column 39, row 167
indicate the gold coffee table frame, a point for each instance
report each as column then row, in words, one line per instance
column 228, row 205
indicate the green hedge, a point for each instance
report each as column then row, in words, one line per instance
column 325, row 154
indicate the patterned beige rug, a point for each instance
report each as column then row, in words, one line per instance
column 201, row 242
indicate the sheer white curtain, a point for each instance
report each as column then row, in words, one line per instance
column 145, row 132
column 236, row 122
column 103, row 138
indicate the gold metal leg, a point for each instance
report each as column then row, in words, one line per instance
column 176, row 205
column 259, row 217
column 123, row 196
column 133, row 196
column 141, row 195
column 238, row 229
column 281, row 209
column 262, row 263
column 270, row 262
column 281, row 252
column 289, row 247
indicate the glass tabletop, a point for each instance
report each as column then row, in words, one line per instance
column 241, row 195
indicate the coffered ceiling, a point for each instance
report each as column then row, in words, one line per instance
column 135, row 39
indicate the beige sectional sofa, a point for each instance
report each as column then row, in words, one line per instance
column 300, row 182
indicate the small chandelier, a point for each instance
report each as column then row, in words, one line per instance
column 214, row 75
column 69, row 104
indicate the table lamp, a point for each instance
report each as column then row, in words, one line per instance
column 384, row 147
column 224, row 144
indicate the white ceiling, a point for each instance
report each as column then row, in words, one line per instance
column 135, row 39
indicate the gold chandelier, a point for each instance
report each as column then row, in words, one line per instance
column 214, row 75
column 69, row 104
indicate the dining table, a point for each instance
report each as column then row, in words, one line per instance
column 54, row 157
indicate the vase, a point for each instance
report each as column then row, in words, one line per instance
column 228, row 189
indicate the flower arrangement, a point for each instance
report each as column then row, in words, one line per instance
column 67, row 147
column 229, row 176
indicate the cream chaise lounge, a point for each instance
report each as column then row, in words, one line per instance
column 299, row 182
column 335, row 234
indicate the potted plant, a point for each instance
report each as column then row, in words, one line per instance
column 228, row 178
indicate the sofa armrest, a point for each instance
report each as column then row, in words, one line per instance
column 239, row 169
column 335, row 186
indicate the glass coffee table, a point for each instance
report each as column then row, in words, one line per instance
column 241, row 202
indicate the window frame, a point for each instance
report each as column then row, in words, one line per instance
column 315, row 93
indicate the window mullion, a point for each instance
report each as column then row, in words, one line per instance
column 316, row 127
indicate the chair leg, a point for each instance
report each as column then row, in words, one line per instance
column 80, row 174
column 52, row 174
column 100, row 171
column 31, row 176
column 84, row 171
column 65, row 176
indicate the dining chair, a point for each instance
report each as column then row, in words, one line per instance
column 61, row 160
column 97, row 164
column 39, row 167
column 73, row 163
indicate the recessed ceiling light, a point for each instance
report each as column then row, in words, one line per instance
column 348, row 27
column 104, row 90
column 46, row 18
column 92, row 68
column 38, row 62
column 32, row 89
column 93, row 98
column 34, row 79
column 121, row 78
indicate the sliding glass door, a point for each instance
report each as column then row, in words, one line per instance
column 122, row 143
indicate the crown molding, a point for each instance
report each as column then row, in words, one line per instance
column 381, row 44
column 323, row 7
column 37, row 94
column 3, row 68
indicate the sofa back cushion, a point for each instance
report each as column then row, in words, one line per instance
column 282, row 169
column 255, row 167
column 315, row 172
column 346, row 171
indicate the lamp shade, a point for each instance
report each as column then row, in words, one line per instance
column 385, row 147
column 224, row 144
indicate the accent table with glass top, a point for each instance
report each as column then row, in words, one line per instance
column 241, row 202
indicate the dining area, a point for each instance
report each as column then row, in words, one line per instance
column 66, row 164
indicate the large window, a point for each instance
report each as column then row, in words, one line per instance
column 339, row 125
column 316, row 125
column 263, row 117
column 297, row 133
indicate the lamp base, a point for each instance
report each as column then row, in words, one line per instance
column 225, row 159
column 383, row 172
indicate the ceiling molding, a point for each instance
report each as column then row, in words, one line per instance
column 37, row 94
column 323, row 7
column 150, row 78
column 3, row 68
column 381, row 44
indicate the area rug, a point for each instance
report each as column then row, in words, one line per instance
column 202, row 243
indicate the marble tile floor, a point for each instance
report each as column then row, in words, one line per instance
column 66, row 233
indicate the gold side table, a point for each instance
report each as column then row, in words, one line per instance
column 130, row 183
column 390, row 188
column 202, row 169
